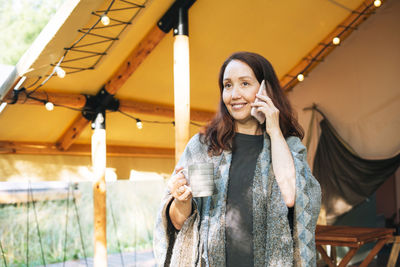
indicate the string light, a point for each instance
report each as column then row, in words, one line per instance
column 319, row 54
column 60, row 72
column 3, row 106
column 105, row 20
column 49, row 106
column 377, row 3
column 139, row 124
column 336, row 40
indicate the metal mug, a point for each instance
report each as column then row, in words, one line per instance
column 200, row 177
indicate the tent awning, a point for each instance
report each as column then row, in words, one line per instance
column 288, row 33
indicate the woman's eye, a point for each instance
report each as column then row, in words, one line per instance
column 227, row 85
column 245, row 83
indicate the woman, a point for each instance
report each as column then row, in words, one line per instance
column 260, row 173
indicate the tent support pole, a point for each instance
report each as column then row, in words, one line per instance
column 99, row 190
column 181, row 82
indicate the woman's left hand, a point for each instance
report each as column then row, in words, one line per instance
column 271, row 113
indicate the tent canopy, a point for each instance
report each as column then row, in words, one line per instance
column 285, row 32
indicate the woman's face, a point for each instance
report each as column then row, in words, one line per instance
column 240, row 89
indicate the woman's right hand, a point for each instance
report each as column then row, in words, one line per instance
column 181, row 207
column 178, row 187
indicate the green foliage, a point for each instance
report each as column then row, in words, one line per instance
column 132, row 204
column 21, row 21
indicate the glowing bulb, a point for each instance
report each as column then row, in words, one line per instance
column 3, row 106
column 105, row 20
column 300, row 77
column 336, row 40
column 49, row 106
column 377, row 3
column 60, row 72
column 139, row 124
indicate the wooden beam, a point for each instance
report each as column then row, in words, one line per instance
column 323, row 48
column 394, row 252
column 72, row 133
column 142, row 50
column 39, row 148
column 99, row 160
column 181, row 93
column 131, row 106
column 61, row 99
column 128, row 106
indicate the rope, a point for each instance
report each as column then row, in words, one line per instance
column 37, row 224
column 135, row 236
column 116, row 233
column 79, row 226
column 310, row 127
column 66, row 227
column 2, row 253
column 27, row 229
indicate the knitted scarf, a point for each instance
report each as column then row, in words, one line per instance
column 201, row 241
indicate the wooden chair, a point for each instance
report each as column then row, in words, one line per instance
column 394, row 253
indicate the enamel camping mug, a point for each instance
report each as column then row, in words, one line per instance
column 200, row 177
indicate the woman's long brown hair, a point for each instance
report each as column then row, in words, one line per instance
column 219, row 133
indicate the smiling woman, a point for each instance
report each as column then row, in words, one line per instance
column 266, row 202
column 240, row 88
column 249, row 70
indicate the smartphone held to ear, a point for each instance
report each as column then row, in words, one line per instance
column 258, row 114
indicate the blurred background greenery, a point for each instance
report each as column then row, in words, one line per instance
column 131, row 211
column 20, row 23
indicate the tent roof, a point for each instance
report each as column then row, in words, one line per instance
column 285, row 32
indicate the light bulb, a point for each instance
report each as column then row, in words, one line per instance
column 105, row 20
column 49, row 106
column 60, row 72
column 336, row 40
column 377, row 3
column 139, row 124
column 300, row 77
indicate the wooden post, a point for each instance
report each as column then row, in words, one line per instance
column 99, row 190
column 181, row 83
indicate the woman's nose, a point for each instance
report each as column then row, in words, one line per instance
column 235, row 93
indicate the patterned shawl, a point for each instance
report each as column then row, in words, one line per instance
column 201, row 241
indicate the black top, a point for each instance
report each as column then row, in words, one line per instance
column 239, row 203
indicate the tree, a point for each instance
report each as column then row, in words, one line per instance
column 21, row 21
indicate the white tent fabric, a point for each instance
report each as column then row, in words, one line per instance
column 357, row 88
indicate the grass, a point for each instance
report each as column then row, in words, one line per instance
column 134, row 205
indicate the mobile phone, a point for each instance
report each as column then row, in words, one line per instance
column 257, row 114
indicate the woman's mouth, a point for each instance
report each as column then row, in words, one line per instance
column 238, row 106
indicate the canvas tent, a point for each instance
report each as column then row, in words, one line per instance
column 354, row 85
column 285, row 33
